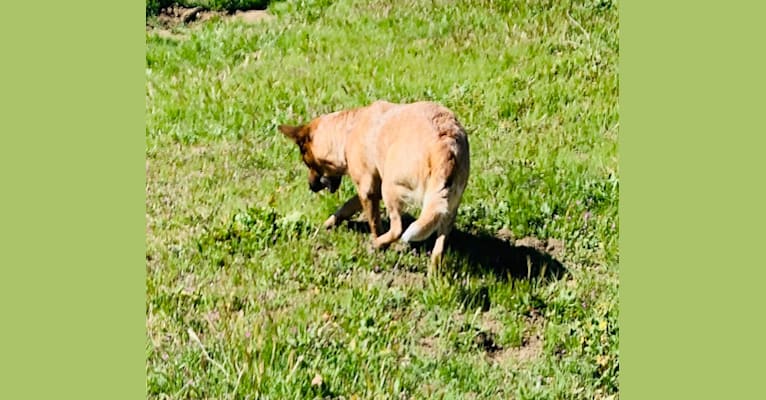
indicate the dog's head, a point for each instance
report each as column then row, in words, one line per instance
column 321, row 173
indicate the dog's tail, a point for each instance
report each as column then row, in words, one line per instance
column 433, row 215
column 449, row 163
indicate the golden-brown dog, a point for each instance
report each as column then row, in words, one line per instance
column 404, row 154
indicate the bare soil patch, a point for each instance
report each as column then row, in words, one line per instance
column 554, row 247
column 176, row 15
column 531, row 346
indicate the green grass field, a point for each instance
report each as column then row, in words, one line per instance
column 247, row 298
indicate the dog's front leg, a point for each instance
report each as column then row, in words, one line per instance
column 348, row 209
column 371, row 207
column 368, row 189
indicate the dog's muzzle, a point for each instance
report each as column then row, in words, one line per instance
column 331, row 182
column 316, row 185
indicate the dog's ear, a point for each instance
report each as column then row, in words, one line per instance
column 295, row 133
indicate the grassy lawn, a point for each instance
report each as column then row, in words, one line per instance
column 247, row 298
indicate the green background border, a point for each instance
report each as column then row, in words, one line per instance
column 72, row 219
column 691, row 162
column 692, row 170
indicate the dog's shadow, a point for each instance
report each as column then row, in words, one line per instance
column 485, row 254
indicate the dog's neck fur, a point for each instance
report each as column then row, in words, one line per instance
column 335, row 139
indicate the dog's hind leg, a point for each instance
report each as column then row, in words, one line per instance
column 391, row 198
column 348, row 209
column 442, row 232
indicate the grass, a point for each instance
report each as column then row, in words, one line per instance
column 247, row 298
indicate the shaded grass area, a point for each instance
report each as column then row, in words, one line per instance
column 280, row 308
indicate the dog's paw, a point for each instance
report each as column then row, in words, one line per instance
column 379, row 244
column 330, row 222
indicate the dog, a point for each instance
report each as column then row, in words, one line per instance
column 414, row 154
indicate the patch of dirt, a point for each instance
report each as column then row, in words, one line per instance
column 506, row 234
column 554, row 247
column 531, row 346
column 551, row 246
column 486, row 340
column 531, row 343
column 176, row 15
